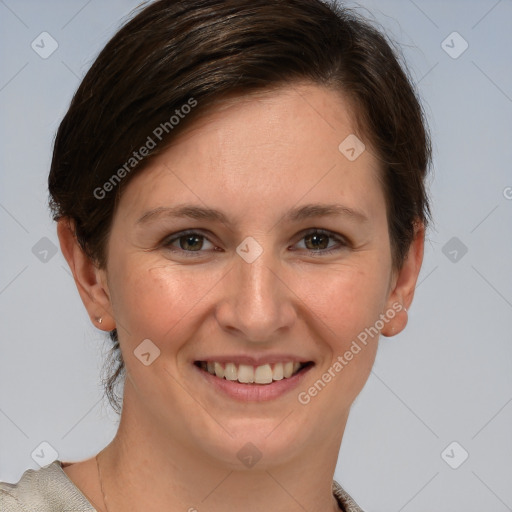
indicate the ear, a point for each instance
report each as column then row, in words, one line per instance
column 89, row 279
column 403, row 284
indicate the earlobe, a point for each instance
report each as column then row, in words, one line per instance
column 405, row 284
column 88, row 277
column 397, row 323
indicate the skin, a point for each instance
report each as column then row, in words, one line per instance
column 255, row 159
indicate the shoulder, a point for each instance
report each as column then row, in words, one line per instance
column 47, row 489
column 346, row 502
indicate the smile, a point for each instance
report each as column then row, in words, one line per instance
column 249, row 374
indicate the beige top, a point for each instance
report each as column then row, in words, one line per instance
column 49, row 489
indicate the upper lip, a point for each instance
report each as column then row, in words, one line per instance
column 255, row 360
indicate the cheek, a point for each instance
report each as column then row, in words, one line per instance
column 157, row 299
column 348, row 303
column 346, row 299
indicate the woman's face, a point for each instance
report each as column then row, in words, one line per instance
column 256, row 286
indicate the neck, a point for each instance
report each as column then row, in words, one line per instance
column 145, row 468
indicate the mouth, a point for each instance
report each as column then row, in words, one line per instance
column 265, row 374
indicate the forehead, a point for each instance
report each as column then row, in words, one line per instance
column 285, row 114
column 265, row 147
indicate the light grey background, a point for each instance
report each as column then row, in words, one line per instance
column 446, row 378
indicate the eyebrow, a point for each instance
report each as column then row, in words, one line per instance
column 294, row 215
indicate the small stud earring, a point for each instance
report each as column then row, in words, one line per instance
column 99, row 320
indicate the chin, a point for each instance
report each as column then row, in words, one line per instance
column 255, row 443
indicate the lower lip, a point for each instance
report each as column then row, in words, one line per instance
column 254, row 392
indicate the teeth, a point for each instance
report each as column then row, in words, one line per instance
column 245, row 373
column 248, row 374
column 263, row 374
column 277, row 374
column 219, row 370
column 230, row 372
column 287, row 370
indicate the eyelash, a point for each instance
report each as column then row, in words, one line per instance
column 343, row 243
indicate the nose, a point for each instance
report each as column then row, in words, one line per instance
column 257, row 304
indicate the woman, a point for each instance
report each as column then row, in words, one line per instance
column 239, row 190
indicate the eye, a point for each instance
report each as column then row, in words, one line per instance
column 187, row 242
column 317, row 242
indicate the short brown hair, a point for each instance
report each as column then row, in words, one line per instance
column 172, row 51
